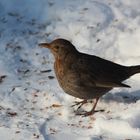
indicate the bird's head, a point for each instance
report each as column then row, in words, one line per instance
column 59, row 47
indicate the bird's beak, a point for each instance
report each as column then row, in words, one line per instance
column 44, row 45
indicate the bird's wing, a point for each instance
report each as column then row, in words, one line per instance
column 111, row 84
column 100, row 73
column 93, row 80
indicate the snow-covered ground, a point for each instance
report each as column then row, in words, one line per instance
column 32, row 105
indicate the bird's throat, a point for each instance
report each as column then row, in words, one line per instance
column 59, row 68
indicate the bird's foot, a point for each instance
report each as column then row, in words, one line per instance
column 79, row 104
column 88, row 113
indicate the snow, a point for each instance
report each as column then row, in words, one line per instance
column 32, row 105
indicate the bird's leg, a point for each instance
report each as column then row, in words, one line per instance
column 81, row 103
column 92, row 110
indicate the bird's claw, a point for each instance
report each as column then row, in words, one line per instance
column 79, row 104
column 88, row 113
column 85, row 113
column 76, row 103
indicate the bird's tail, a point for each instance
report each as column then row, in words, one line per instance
column 134, row 69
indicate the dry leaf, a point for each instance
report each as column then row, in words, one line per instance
column 12, row 114
column 56, row 105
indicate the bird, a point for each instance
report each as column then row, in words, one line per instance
column 86, row 76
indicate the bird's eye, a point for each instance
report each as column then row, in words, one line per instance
column 57, row 47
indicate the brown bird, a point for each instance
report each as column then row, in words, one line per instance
column 86, row 76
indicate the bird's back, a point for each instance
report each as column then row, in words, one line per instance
column 102, row 69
